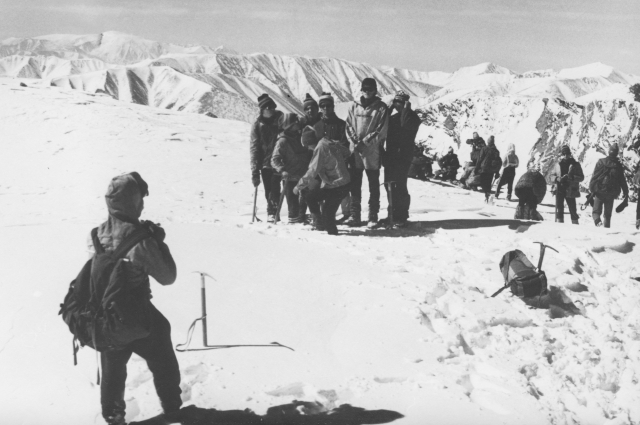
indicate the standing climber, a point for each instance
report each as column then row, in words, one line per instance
column 565, row 177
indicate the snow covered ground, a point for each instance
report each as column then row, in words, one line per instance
column 399, row 320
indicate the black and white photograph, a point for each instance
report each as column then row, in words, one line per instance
column 297, row 212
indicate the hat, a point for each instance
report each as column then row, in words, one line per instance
column 402, row 96
column 309, row 137
column 308, row 100
column 288, row 120
column 265, row 101
column 369, row 83
column 565, row 150
column 614, row 150
column 326, row 98
column 121, row 197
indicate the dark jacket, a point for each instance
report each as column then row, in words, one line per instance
column 599, row 185
column 289, row 155
column 489, row 160
column 401, row 137
column 449, row 161
column 150, row 257
column 332, row 128
column 264, row 134
column 476, row 147
column 533, row 180
column 570, row 186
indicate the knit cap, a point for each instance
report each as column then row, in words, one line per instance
column 308, row 100
column 402, row 96
column 565, row 150
column 326, row 98
column 309, row 137
column 614, row 150
column 370, row 84
column 288, row 120
column 265, row 101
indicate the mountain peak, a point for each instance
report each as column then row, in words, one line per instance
column 226, row 51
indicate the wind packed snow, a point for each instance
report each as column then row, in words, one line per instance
column 399, row 320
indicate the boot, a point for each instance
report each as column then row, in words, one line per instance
column 117, row 419
column 559, row 220
column 575, row 222
column 519, row 215
column 316, row 222
column 373, row 220
column 353, row 221
column 638, row 222
column 509, row 197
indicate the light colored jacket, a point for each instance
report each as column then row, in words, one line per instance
column 328, row 163
column 367, row 131
column 571, row 187
column 511, row 159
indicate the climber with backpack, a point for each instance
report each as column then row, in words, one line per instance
column 489, row 164
column 607, row 181
column 108, row 306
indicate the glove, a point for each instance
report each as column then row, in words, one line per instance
column 295, row 191
column 156, row 231
column 285, row 175
column 255, row 178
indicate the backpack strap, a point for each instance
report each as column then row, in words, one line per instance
column 97, row 246
column 130, row 241
column 506, row 275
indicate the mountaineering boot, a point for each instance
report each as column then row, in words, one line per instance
column 559, row 220
column 400, row 224
column 575, row 222
column 343, row 219
column 509, row 197
column 638, row 223
column 353, row 221
column 271, row 218
column 316, row 222
column 117, row 419
column 373, row 220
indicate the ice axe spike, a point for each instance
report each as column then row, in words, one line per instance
column 543, row 247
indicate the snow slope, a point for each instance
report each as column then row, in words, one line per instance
column 399, row 320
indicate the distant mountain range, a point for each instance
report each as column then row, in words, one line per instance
column 588, row 107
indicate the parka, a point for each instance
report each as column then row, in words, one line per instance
column 367, row 131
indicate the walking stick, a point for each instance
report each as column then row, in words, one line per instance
column 282, row 193
column 391, row 203
column 255, row 207
column 205, row 346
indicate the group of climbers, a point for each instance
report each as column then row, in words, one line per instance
column 322, row 159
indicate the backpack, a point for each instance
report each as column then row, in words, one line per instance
column 521, row 276
column 100, row 309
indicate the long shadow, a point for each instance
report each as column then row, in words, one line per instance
column 295, row 413
column 421, row 228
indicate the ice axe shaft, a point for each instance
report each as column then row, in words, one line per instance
column 255, row 201
column 390, row 185
column 280, row 202
column 543, row 247
column 205, row 346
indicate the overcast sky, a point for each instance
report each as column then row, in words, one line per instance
column 428, row 35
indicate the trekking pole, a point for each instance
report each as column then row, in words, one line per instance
column 282, row 193
column 255, row 207
column 185, row 346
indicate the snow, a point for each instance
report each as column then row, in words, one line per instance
column 400, row 320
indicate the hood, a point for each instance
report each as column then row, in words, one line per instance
column 511, row 149
column 124, row 197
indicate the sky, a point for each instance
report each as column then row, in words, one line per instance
column 426, row 35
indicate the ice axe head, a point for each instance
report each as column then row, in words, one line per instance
column 542, row 249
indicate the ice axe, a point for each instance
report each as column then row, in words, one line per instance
column 255, row 208
column 205, row 346
column 282, row 193
column 390, row 186
column 542, row 250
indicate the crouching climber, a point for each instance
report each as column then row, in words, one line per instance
column 530, row 191
column 327, row 163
